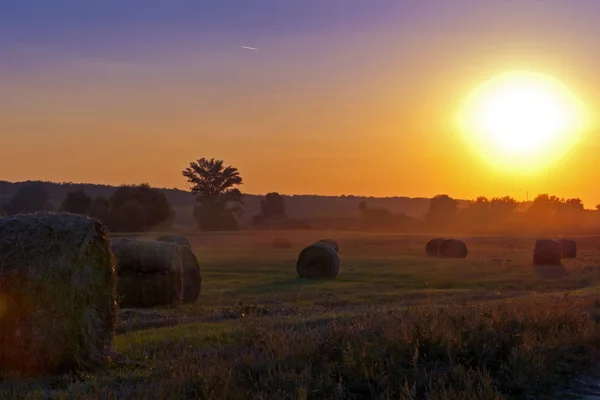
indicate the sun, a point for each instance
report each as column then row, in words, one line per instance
column 522, row 120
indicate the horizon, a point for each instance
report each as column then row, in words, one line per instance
column 325, row 98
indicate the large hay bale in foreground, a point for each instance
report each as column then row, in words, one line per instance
column 453, row 248
column 332, row 243
column 318, row 260
column 432, row 248
column 149, row 273
column 568, row 248
column 180, row 240
column 282, row 242
column 192, row 278
column 547, row 252
column 57, row 294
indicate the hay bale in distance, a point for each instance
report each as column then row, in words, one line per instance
column 318, row 260
column 330, row 242
column 57, row 294
column 282, row 242
column 192, row 278
column 177, row 239
column 149, row 273
column 432, row 248
column 569, row 248
column 453, row 248
column 547, row 252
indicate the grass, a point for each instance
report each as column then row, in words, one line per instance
column 393, row 325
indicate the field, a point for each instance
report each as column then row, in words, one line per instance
column 393, row 325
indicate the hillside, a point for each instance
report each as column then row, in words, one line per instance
column 298, row 206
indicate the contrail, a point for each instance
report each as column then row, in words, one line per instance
column 248, row 48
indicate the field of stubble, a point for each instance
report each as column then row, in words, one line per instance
column 393, row 325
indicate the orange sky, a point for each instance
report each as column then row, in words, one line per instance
column 346, row 111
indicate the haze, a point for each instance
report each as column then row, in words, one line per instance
column 342, row 97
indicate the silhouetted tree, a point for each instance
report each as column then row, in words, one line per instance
column 502, row 207
column 273, row 206
column 100, row 209
column 570, row 214
column 597, row 207
column 544, row 206
column 442, row 210
column 362, row 206
column 29, row 198
column 219, row 200
column 76, row 202
column 139, row 208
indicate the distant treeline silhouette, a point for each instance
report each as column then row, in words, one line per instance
column 214, row 202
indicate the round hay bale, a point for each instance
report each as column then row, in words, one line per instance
column 432, row 248
column 569, row 248
column 318, row 260
column 330, row 242
column 180, row 240
column 145, row 256
column 547, row 252
column 282, row 242
column 150, row 273
column 57, row 294
column 192, row 279
column 453, row 248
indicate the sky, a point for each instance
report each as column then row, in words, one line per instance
column 341, row 97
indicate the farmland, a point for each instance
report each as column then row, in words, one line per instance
column 393, row 324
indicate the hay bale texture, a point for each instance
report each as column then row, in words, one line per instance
column 432, row 248
column 568, row 248
column 180, row 240
column 453, row 248
column 192, row 278
column 57, row 294
column 332, row 243
column 282, row 242
column 547, row 252
column 318, row 260
column 149, row 273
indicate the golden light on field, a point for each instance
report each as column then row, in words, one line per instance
column 522, row 121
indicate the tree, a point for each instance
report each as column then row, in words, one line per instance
column 77, row 202
column 544, row 206
column 219, row 201
column 362, row 207
column 139, row 208
column 442, row 210
column 100, row 209
column 272, row 207
column 29, row 198
column 502, row 207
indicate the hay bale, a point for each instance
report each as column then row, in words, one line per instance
column 282, row 242
column 57, row 294
column 330, row 242
column 453, row 248
column 192, row 279
column 569, row 248
column 318, row 260
column 432, row 248
column 547, row 252
column 149, row 273
column 145, row 256
column 180, row 240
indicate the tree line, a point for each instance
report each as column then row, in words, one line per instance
column 219, row 201
column 138, row 208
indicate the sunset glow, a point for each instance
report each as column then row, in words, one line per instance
column 522, row 121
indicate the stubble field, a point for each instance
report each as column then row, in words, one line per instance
column 394, row 324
